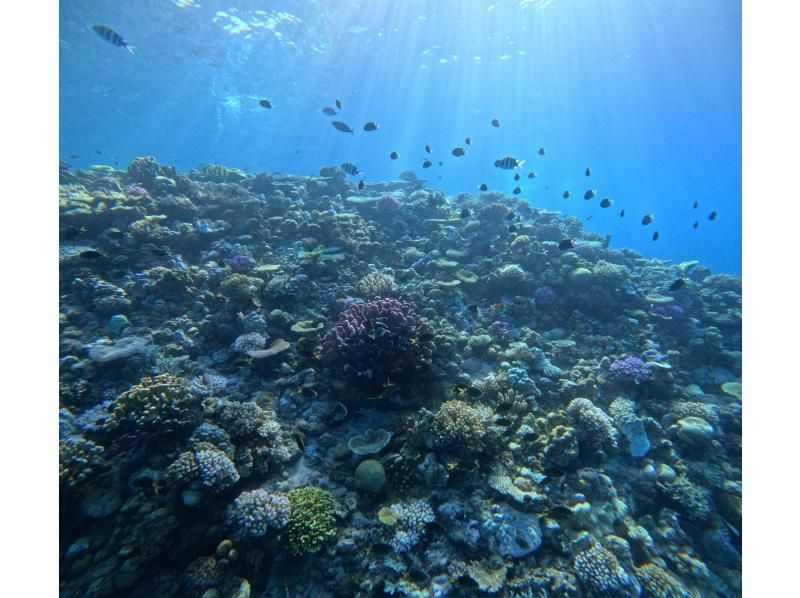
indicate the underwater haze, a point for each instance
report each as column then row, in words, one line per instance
column 645, row 93
column 411, row 298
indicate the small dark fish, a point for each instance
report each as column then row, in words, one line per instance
column 350, row 168
column 468, row 141
column 696, row 205
column 590, row 216
column 428, row 149
column 531, row 175
column 712, row 216
column 560, row 512
column 588, row 172
column 508, row 163
column 98, row 151
column 299, row 440
column 590, row 194
column 465, row 213
column 338, row 104
column 565, row 195
column 329, row 111
column 472, row 308
column 696, row 224
column 517, row 177
column 361, row 185
column 112, row 37
column 440, row 163
column 426, row 336
column 512, row 229
column 74, row 156
column 622, row 213
column 340, row 126
column 371, row 126
column 71, row 232
column 265, row 103
column 552, row 472
column 656, row 236
column 90, row 254
column 495, row 122
column 510, row 216
column 542, row 151
column 517, row 191
column 566, row 244
column 483, row 187
column 647, row 219
column 677, row 285
column 458, row 151
column 158, row 251
column 114, row 233
column 606, row 203
column 394, row 155
column 427, row 164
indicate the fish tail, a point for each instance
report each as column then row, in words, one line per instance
column 130, row 48
column 520, row 163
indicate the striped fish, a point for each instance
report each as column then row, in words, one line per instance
column 350, row 169
column 112, row 37
column 508, row 163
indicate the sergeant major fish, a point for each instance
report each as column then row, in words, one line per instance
column 112, row 37
column 508, row 163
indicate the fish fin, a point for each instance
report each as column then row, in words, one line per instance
column 130, row 48
column 520, row 163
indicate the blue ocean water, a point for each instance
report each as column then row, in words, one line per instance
column 646, row 93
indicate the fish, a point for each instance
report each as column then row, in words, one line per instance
column 517, row 177
column 656, row 236
column 566, row 244
column 495, row 122
column 98, row 151
column 114, row 233
column 696, row 205
column 565, row 195
column 499, row 306
column 590, row 194
column 472, row 308
column 648, row 218
column 712, row 215
column 512, row 229
column 590, row 216
column 112, row 37
column 361, row 185
column 427, row 164
column 508, row 163
column 510, row 216
column 428, row 149
column 531, row 175
column 606, row 203
column 458, row 151
column 465, row 213
column 371, row 126
column 468, row 141
column 338, row 104
column 71, row 232
column 677, row 285
column 483, row 187
column 329, row 111
column 517, row 190
column 696, row 224
column 467, row 389
column 542, row 151
column 588, row 172
column 394, row 155
column 340, row 126
column 622, row 213
column 74, row 156
column 265, row 103
column 90, row 254
column 440, row 163
column 350, row 168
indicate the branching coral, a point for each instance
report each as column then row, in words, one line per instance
column 457, row 426
column 156, row 405
column 256, row 512
column 312, row 519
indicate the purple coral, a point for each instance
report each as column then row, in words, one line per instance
column 241, row 264
column 378, row 340
column 630, row 369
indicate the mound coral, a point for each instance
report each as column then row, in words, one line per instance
column 457, row 426
column 379, row 339
column 156, row 405
column 630, row 369
column 256, row 512
column 600, row 571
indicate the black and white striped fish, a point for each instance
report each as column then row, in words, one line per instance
column 350, row 169
column 508, row 163
column 112, row 37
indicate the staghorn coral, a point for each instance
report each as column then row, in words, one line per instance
column 457, row 426
column 207, row 466
column 256, row 512
column 78, row 460
column 156, row 405
column 312, row 519
column 379, row 339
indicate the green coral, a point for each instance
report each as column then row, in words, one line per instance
column 312, row 520
column 161, row 404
